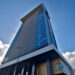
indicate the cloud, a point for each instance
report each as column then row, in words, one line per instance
column 70, row 56
column 3, row 50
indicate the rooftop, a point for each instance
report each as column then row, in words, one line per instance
column 38, row 8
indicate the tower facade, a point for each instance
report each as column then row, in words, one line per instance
column 34, row 49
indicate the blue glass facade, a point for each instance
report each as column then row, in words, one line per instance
column 41, row 35
column 66, row 69
column 51, row 34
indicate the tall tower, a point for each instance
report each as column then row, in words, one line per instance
column 34, row 49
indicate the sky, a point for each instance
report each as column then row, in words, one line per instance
column 62, row 17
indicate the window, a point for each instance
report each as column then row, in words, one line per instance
column 58, row 67
column 65, row 68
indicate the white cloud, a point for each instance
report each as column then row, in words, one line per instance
column 3, row 50
column 70, row 56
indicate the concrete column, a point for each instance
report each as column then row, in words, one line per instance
column 48, row 67
column 27, row 70
column 14, row 73
column 33, row 69
column 22, row 71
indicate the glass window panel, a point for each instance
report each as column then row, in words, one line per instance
column 58, row 67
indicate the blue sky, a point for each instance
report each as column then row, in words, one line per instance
column 62, row 14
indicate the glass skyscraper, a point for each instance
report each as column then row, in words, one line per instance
column 34, row 48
